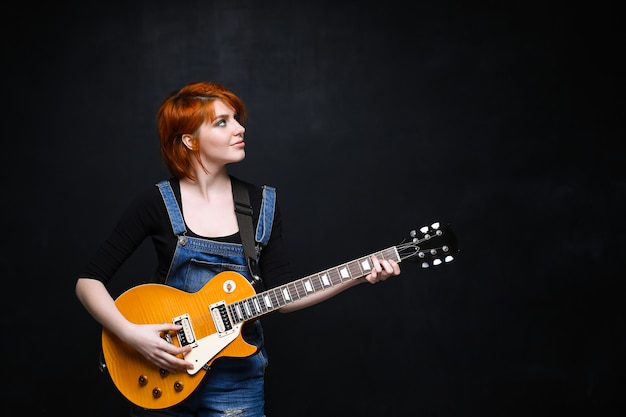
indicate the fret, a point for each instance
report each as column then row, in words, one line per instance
column 267, row 300
column 291, row 294
column 274, row 297
column 286, row 294
column 325, row 278
column 292, row 289
column 355, row 270
column 280, row 296
column 317, row 282
column 334, row 276
column 257, row 306
column 261, row 301
column 249, row 305
column 242, row 309
column 299, row 286
column 238, row 314
column 390, row 253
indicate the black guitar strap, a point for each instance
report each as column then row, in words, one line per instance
column 243, row 210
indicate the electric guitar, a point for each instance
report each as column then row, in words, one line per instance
column 212, row 317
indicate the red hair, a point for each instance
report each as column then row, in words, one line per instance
column 183, row 112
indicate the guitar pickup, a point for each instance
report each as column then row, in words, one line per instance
column 220, row 318
column 185, row 335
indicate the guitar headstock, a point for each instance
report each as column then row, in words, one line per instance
column 430, row 245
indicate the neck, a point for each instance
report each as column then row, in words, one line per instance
column 209, row 184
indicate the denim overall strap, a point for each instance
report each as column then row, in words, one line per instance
column 196, row 260
column 176, row 217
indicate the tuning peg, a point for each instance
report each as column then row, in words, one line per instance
column 413, row 233
column 449, row 258
column 437, row 262
column 425, row 265
column 424, row 229
column 435, row 225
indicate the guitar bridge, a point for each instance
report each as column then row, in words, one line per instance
column 185, row 335
column 221, row 318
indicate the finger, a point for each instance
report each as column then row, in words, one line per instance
column 377, row 266
column 172, row 349
column 172, row 362
column 385, row 267
column 168, row 327
column 396, row 267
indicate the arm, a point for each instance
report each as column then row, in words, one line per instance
column 140, row 219
column 382, row 271
column 146, row 338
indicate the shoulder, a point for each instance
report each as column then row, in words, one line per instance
column 149, row 202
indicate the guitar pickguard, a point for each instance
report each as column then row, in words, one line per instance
column 208, row 347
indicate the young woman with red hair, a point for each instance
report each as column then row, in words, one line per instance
column 192, row 221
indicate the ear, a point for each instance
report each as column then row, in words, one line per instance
column 188, row 141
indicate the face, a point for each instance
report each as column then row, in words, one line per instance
column 220, row 140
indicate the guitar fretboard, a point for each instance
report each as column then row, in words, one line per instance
column 278, row 297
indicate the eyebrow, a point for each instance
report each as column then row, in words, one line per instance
column 226, row 115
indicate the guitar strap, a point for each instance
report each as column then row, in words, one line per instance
column 243, row 210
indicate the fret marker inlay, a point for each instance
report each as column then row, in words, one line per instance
column 325, row 280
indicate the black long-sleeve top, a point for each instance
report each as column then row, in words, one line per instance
column 146, row 217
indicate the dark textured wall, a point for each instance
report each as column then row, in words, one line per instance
column 503, row 119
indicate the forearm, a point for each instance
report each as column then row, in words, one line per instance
column 98, row 302
column 380, row 272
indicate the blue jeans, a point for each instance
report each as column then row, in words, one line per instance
column 233, row 387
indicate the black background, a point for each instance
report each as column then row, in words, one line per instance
column 503, row 119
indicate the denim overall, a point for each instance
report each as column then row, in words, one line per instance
column 232, row 386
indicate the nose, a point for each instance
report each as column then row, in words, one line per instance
column 239, row 129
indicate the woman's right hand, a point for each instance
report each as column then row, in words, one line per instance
column 149, row 340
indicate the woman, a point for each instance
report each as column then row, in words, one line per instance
column 192, row 222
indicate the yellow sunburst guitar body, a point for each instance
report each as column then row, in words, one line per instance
column 212, row 318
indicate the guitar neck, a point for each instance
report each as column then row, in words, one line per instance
column 270, row 300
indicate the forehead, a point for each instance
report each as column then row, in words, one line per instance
column 220, row 108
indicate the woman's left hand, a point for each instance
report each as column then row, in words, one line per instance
column 382, row 270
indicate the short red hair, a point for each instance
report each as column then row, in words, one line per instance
column 183, row 112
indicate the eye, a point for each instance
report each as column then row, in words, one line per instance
column 220, row 123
